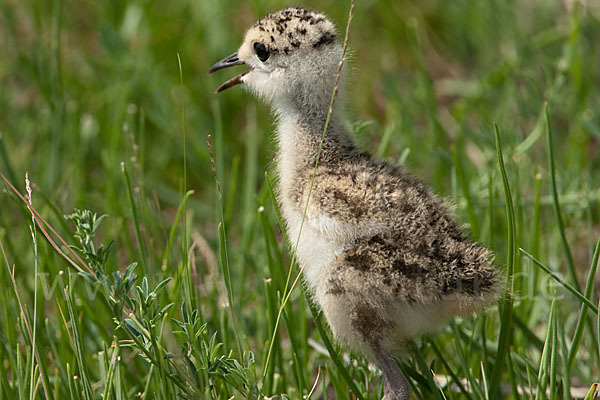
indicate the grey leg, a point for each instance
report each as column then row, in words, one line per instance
column 396, row 385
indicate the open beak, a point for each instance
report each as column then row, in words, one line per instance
column 225, row 63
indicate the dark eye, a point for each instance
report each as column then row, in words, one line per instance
column 261, row 51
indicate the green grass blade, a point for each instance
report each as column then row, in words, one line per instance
column 226, row 271
column 115, row 359
column 21, row 380
column 431, row 386
column 564, row 356
column 491, row 208
column 273, row 196
column 554, row 356
column 545, row 359
column 334, row 354
column 560, row 280
column 581, row 322
column 532, row 339
column 77, row 341
column 454, row 377
column 513, row 377
column 173, row 230
column 593, row 392
column 185, row 236
column 463, row 356
column 223, row 246
column 506, row 301
column 486, row 394
column 136, row 220
column 534, row 243
column 273, row 348
column 385, row 140
column 555, row 199
column 462, row 181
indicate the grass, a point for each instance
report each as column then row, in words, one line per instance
column 107, row 107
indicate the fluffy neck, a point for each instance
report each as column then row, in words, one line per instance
column 299, row 137
column 301, row 110
column 300, row 133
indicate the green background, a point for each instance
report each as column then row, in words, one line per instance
column 88, row 85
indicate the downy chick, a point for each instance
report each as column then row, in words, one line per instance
column 381, row 254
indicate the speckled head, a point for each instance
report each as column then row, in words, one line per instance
column 289, row 52
column 292, row 29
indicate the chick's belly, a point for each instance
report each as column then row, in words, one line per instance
column 364, row 315
column 315, row 254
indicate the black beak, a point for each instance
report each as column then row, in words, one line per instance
column 225, row 63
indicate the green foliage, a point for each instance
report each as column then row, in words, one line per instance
column 86, row 223
column 96, row 108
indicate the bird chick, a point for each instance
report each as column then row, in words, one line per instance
column 381, row 254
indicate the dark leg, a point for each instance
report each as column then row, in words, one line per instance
column 396, row 385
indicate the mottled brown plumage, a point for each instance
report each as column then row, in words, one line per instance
column 382, row 255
